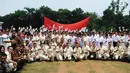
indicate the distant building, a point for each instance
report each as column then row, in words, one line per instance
column 1, row 24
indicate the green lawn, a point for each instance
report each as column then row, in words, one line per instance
column 88, row 66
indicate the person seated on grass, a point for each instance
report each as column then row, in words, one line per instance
column 118, row 52
column 93, row 50
column 68, row 51
column 12, row 64
column 86, row 50
column 106, row 54
column 100, row 52
column 18, row 56
column 59, row 52
column 126, row 56
column 4, row 66
column 51, row 52
column 36, row 49
column 77, row 52
column 110, row 50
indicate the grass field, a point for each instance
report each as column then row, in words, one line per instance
column 88, row 66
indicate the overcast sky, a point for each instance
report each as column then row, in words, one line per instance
column 98, row 6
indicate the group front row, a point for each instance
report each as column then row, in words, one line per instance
column 52, row 52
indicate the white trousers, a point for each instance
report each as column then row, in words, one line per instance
column 78, row 56
column 59, row 57
column 67, row 56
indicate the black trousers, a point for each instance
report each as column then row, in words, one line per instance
column 114, row 44
column 94, row 55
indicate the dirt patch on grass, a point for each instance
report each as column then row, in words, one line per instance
column 88, row 66
column 62, row 67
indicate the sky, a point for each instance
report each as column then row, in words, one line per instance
column 98, row 6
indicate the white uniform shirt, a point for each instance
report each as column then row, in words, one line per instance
column 68, row 50
column 8, row 55
column 85, row 48
column 115, row 38
column 36, row 39
column 6, row 38
column 77, row 51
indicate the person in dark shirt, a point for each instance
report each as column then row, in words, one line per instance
column 16, row 40
column 4, row 66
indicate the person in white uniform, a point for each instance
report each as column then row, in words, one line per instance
column 68, row 51
column 33, row 53
column 59, row 52
column 77, row 52
column 12, row 64
column 110, row 50
column 51, row 52
column 126, row 56
column 100, row 52
column 118, row 52
column 86, row 50
column 93, row 50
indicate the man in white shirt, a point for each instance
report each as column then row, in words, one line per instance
column 85, row 49
column 59, row 52
column 93, row 50
column 110, row 49
column 12, row 64
column 6, row 38
column 127, row 52
column 33, row 53
column 118, row 52
column 77, row 52
column 36, row 38
column 51, row 52
column 68, row 51
column 41, row 53
column 100, row 52
column 115, row 38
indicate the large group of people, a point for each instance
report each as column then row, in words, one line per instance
column 29, row 45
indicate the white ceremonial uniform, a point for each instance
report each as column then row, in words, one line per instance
column 6, row 38
column 122, row 41
column 111, row 50
column 53, row 36
column 59, row 38
column 100, row 53
column 36, row 39
column 31, row 55
column 106, row 54
column 37, row 52
column 86, row 50
column 41, row 55
column 68, row 51
column 45, row 52
column 78, row 53
column 118, row 54
column 42, row 38
column 59, row 53
column 93, row 51
column 11, row 66
column 51, row 53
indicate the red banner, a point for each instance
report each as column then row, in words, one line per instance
column 50, row 24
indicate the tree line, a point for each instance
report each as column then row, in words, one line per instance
column 112, row 17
